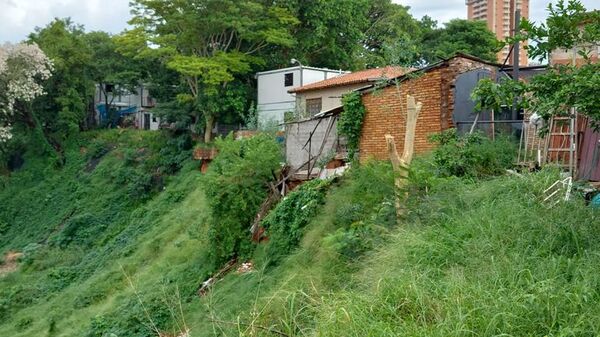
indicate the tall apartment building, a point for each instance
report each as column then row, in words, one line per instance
column 499, row 15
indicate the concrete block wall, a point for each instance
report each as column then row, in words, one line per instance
column 297, row 134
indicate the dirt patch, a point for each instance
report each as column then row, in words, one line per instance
column 9, row 263
column 91, row 165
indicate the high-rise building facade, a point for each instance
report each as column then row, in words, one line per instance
column 499, row 15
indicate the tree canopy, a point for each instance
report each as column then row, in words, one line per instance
column 569, row 27
column 209, row 42
column 23, row 68
column 470, row 37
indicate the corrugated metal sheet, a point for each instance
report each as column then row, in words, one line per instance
column 589, row 166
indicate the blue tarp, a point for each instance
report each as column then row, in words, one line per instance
column 120, row 113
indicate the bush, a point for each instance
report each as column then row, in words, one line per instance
column 97, row 149
column 236, row 186
column 472, row 155
column 81, row 230
column 284, row 225
column 367, row 213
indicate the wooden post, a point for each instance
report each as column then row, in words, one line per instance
column 401, row 165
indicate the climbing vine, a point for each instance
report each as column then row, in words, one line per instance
column 351, row 120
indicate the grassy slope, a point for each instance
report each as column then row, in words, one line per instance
column 471, row 259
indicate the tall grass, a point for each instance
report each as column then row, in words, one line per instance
column 488, row 261
column 472, row 257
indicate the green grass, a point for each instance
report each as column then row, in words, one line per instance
column 471, row 257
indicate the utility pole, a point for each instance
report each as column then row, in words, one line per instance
column 516, row 61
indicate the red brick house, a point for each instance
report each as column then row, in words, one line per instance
column 443, row 89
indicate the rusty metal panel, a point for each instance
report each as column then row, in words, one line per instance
column 589, row 168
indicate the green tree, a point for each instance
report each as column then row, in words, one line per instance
column 569, row 27
column 111, row 69
column 470, row 37
column 392, row 37
column 329, row 33
column 62, row 112
column 208, row 42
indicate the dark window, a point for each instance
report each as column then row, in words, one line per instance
column 154, row 119
column 289, row 79
column 313, row 106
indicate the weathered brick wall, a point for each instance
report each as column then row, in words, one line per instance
column 386, row 110
column 386, row 114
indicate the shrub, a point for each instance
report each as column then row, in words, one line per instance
column 285, row 224
column 236, row 186
column 81, row 230
column 97, row 149
column 367, row 213
column 472, row 155
column 177, row 151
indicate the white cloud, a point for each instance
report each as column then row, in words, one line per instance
column 18, row 18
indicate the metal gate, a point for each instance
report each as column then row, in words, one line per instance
column 589, row 166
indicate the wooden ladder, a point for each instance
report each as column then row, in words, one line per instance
column 561, row 143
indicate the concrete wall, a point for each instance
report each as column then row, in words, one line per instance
column 139, row 98
column 273, row 99
column 140, row 117
column 566, row 56
column 330, row 97
column 297, row 135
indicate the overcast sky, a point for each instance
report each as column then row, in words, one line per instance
column 19, row 17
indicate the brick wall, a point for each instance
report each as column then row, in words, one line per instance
column 386, row 114
column 386, row 109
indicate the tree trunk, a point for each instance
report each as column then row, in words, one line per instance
column 210, row 121
column 401, row 165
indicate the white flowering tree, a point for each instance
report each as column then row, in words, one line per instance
column 23, row 67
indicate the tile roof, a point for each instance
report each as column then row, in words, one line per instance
column 364, row 76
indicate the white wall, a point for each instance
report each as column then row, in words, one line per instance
column 138, row 98
column 273, row 99
column 330, row 97
column 140, row 119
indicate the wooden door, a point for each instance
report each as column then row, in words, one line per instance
column 146, row 121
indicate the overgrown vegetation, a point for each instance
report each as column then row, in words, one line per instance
column 285, row 224
column 475, row 255
column 472, row 155
column 236, row 185
column 351, row 121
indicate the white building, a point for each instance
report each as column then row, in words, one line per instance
column 274, row 100
column 136, row 104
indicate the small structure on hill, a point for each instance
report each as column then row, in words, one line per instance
column 117, row 106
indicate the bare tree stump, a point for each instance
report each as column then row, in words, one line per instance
column 401, row 165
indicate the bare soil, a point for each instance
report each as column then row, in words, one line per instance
column 9, row 264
